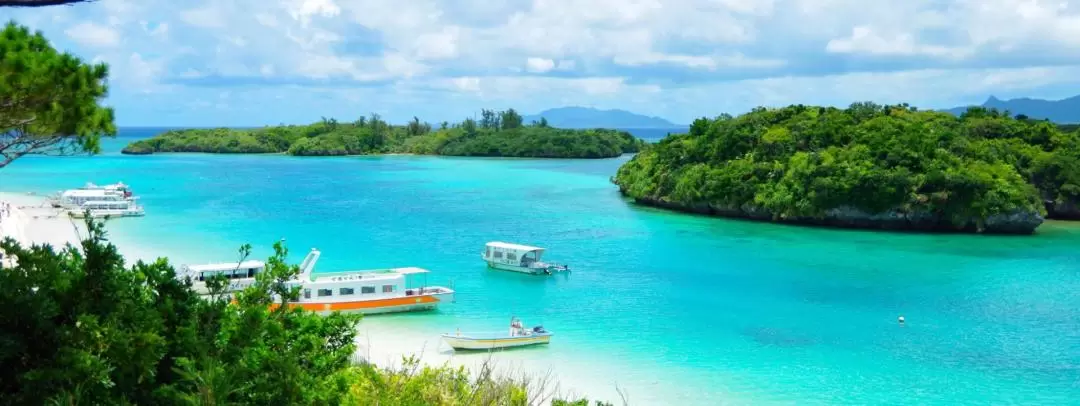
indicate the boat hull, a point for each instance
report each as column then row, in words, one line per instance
column 98, row 214
column 380, row 306
column 512, row 268
column 523, row 269
column 471, row 343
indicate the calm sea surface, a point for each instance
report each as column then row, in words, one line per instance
column 680, row 309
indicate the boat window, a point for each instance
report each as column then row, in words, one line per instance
column 307, row 293
column 388, row 288
column 251, row 272
column 367, row 289
column 498, row 254
column 511, row 257
column 326, row 292
column 346, row 291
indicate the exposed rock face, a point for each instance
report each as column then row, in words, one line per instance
column 1020, row 222
column 1063, row 209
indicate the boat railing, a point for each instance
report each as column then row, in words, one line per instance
column 429, row 290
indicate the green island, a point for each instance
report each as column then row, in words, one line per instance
column 866, row 166
column 496, row 134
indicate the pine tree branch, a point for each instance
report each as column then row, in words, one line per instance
column 39, row 3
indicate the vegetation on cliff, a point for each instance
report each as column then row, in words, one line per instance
column 78, row 327
column 865, row 166
column 495, row 134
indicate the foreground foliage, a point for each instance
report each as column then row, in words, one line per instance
column 866, row 166
column 496, row 134
column 79, row 327
column 49, row 101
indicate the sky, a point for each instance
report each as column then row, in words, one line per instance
column 265, row 62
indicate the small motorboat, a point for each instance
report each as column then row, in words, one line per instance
column 518, row 336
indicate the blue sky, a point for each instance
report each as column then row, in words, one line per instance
column 256, row 62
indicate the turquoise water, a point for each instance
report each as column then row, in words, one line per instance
column 680, row 309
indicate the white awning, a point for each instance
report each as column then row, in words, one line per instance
column 510, row 246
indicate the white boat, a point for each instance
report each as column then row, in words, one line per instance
column 519, row 258
column 367, row 292
column 239, row 274
column 107, row 208
column 74, row 198
column 518, row 336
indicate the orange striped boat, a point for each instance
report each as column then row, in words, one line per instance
column 368, row 292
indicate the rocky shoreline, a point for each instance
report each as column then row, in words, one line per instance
column 1019, row 222
column 1063, row 210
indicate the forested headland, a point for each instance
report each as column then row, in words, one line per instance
column 866, row 166
column 496, row 134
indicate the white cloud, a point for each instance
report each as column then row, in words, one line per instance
column 539, row 65
column 459, row 55
column 864, row 39
column 205, row 17
column 303, row 10
column 441, row 44
column 737, row 60
column 470, row 84
column 93, row 35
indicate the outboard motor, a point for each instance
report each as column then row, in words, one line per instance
column 538, row 329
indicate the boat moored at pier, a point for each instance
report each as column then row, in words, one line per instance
column 115, row 200
column 74, row 198
column 108, row 208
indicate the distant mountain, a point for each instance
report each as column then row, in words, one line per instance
column 1064, row 111
column 584, row 117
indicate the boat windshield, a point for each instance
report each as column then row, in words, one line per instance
column 530, row 258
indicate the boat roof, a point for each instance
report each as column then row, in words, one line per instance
column 117, row 185
column 373, row 274
column 226, row 266
column 519, row 247
column 88, row 192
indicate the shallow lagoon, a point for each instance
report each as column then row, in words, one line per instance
column 671, row 308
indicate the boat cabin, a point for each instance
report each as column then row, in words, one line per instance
column 246, row 269
column 364, row 285
column 512, row 254
column 106, row 205
column 78, row 197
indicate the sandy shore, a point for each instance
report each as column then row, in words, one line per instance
column 386, row 340
column 33, row 221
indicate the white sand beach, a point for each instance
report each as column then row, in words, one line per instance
column 33, row 221
column 387, row 340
